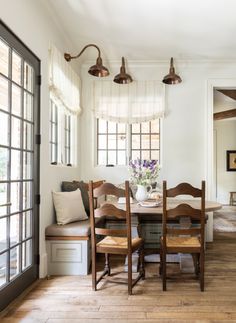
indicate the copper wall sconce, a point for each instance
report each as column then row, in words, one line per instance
column 96, row 70
column 172, row 78
column 123, row 77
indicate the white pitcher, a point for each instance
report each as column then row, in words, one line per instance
column 142, row 193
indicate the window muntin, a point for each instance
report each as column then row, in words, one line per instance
column 117, row 142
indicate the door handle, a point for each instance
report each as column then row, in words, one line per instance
column 6, row 204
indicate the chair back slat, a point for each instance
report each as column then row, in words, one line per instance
column 111, row 232
column 191, row 231
column 110, row 210
column 183, row 210
column 184, row 189
column 108, row 189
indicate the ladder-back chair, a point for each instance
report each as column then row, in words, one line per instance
column 181, row 239
column 115, row 241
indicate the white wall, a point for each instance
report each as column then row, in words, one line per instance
column 34, row 25
column 225, row 140
column 184, row 127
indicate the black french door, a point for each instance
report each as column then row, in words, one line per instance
column 19, row 166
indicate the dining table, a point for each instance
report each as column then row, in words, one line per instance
column 152, row 213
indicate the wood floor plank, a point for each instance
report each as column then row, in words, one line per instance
column 68, row 299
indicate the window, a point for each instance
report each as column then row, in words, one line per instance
column 145, row 140
column 61, row 132
column 67, row 141
column 54, row 133
column 118, row 142
column 64, row 86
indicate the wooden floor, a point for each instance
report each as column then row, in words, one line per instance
column 70, row 299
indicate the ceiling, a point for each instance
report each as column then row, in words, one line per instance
column 150, row 29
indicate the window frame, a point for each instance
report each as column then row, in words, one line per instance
column 128, row 150
column 65, row 128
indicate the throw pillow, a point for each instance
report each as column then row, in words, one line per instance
column 69, row 207
column 72, row 186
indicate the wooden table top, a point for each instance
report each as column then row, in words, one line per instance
column 171, row 203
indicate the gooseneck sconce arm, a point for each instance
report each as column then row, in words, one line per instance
column 96, row 70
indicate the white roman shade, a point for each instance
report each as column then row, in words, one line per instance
column 64, row 83
column 136, row 102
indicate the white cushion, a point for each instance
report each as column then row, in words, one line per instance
column 69, row 206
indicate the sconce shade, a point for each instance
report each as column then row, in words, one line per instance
column 172, row 78
column 123, row 77
column 98, row 70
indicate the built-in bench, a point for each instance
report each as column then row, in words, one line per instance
column 68, row 248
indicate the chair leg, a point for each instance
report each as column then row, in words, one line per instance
column 202, row 269
column 195, row 257
column 142, row 265
column 94, row 271
column 130, row 273
column 160, row 266
column 107, row 264
column 163, row 270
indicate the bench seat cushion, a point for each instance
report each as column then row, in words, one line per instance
column 80, row 229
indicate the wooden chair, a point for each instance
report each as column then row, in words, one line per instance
column 115, row 241
column 183, row 240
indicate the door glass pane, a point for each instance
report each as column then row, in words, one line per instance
column 14, row 262
column 16, row 132
column 27, row 193
column 26, row 224
column 4, row 58
column 27, row 165
column 3, row 269
column 3, row 198
column 3, row 93
column 16, row 100
column 14, row 229
column 28, row 133
column 4, row 135
column 28, row 106
column 15, row 197
column 3, row 235
column 4, row 158
column 16, row 67
column 15, row 164
column 26, row 254
column 28, row 77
